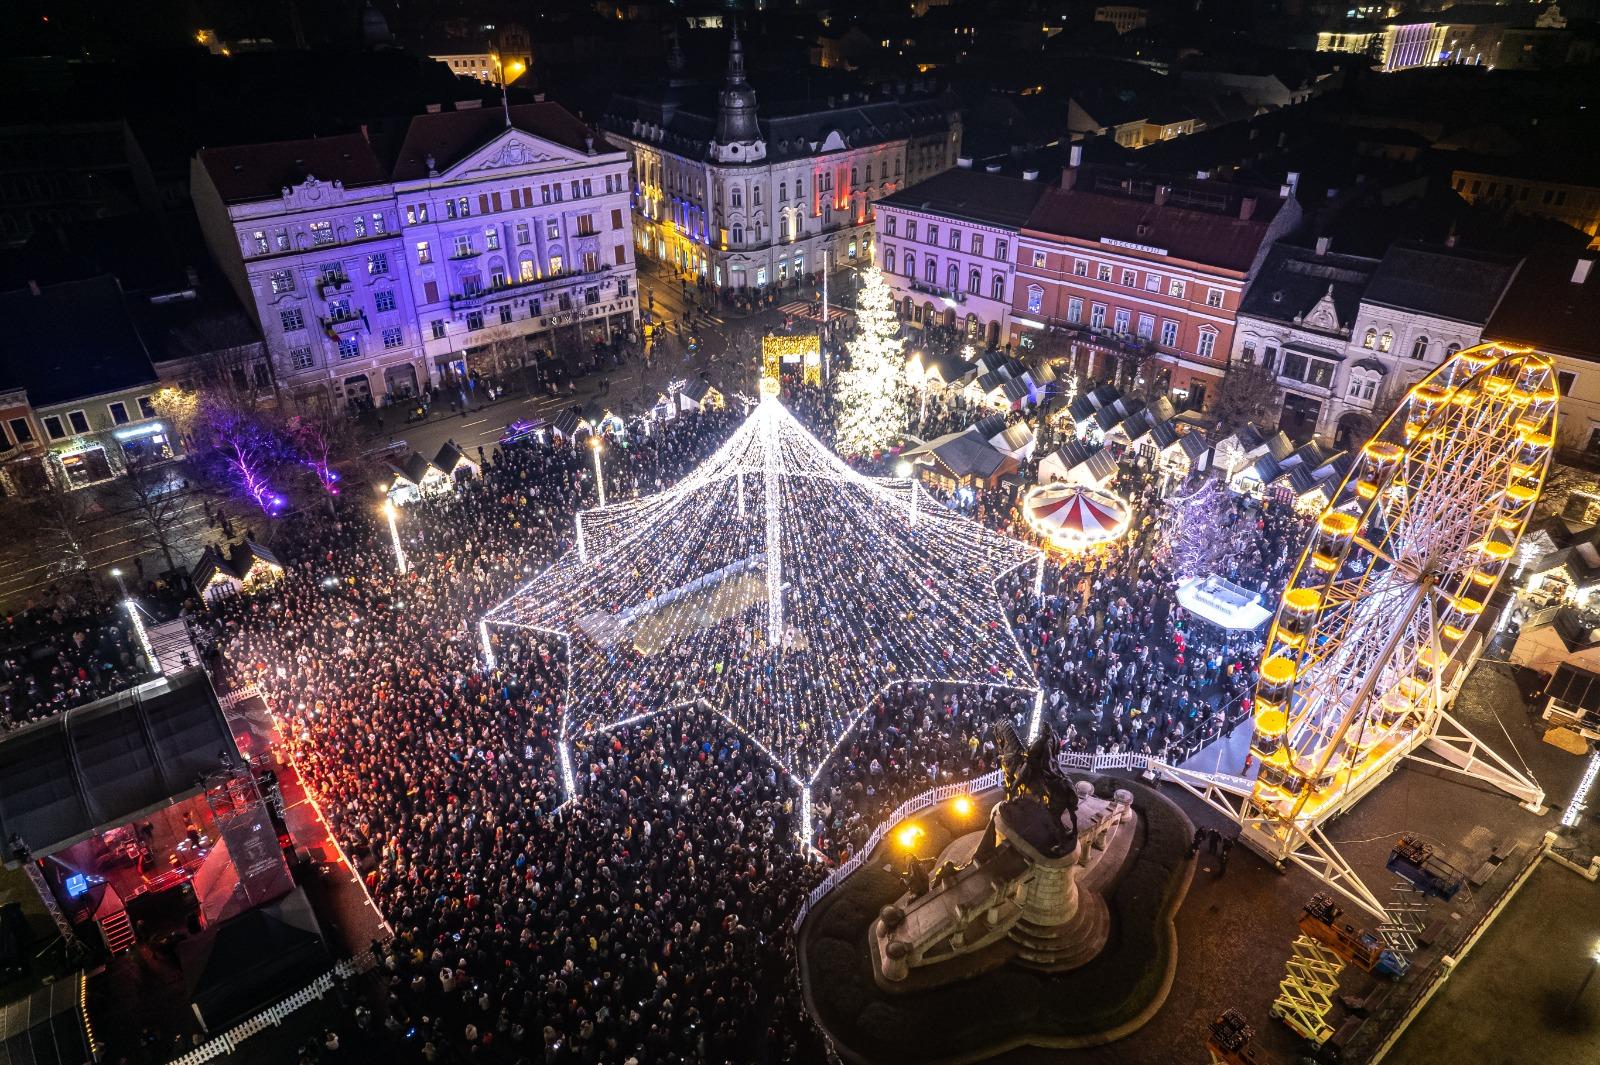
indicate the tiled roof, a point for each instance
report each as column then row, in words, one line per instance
column 1444, row 282
column 72, row 341
column 261, row 171
column 1291, row 281
column 450, row 136
column 1545, row 308
column 971, row 196
column 1189, row 230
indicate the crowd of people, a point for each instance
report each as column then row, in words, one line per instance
column 60, row 656
column 647, row 919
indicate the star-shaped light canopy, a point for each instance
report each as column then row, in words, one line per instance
column 780, row 587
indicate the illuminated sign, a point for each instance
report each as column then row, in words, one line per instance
column 149, row 429
column 1131, row 246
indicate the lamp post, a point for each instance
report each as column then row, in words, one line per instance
column 400, row 564
column 122, row 586
column 599, row 478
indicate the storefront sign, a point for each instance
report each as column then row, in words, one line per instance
column 1131, row 246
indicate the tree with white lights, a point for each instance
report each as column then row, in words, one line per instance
column 1197, row 529
column 871, row 393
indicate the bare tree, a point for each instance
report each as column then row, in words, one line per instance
column 1249, row 392
column 500, row 354
column 322, row 443
column 57, row 514
column 152, row 494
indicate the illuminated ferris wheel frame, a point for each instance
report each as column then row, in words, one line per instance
column 1384, row 615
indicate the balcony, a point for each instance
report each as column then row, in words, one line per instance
column 954, row 295
column 518, row 288
column 335, row 324
column 462, row 256
column 332, row 284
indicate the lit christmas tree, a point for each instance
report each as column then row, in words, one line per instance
column 1197, row 529
column 871, row 393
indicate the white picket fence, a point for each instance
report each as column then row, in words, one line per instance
column 228, row 1041
column 237, row 696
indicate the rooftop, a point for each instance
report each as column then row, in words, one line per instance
column 450, row 136
column 1294, row 280
column 72, row 340
column 1546, row 307
column 972, row 196
column 261, row 171
column 1444, row 282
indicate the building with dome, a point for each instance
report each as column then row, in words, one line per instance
column 748, row 192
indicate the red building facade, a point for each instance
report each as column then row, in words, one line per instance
column 1128, row 274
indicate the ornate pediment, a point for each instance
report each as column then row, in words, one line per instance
column 1323, row 315
column 514, row 149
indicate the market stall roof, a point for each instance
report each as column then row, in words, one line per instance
column 1223, row 603
column 46, row 1027
column 109, row 761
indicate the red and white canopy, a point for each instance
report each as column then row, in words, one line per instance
column 1074, row 516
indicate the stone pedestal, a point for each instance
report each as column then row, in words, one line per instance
column 1059, row 927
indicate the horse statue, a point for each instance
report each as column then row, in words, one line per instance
column 1030, row 771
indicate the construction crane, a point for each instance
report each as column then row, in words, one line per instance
column 1228, row 1041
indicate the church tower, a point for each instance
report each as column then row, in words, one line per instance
column 738, row 138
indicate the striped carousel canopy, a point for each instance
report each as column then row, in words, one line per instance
column 1075, row 517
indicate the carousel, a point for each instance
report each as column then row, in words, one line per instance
column 1074, row 518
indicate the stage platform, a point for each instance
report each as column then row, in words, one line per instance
column 1225, row 755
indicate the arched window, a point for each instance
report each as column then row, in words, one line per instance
column 735, row 197
column 1419, row 350
column 1371, row 339
column 755, row 195
column 1451, row 350
column 907, row 311
column 953, row 277
column 930, row 271
column 997, row 287
column 974, row 281
column 783, row 192
column 1386, row 341
column 738, row 234
column 911, row 265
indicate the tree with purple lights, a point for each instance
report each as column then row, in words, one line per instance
column 320, row 442
column 1197, row 529
column 246, row 448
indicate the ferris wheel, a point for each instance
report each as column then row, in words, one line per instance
column 1384, row 614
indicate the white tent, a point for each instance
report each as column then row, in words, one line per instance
column 1221, row 602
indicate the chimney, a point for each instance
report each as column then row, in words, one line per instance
column 1030, row 175
column 1162, row 192
column 1247, row 207
column 1203, row 175
column 1322, row 246
column 1580, row 272
column 33, row 286
column 1075, row 156
column 1284, row 191
column 964, row 162
column 1293, row 179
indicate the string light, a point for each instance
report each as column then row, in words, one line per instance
column 787, row 616
column 872, row 405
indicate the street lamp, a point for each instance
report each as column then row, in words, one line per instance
column 599, row 478
column 394, row 535
column 121, row 585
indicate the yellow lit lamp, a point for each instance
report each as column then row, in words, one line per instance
column 908, row 834
column 962, row 805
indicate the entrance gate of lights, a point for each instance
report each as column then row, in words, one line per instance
column 1385, row 613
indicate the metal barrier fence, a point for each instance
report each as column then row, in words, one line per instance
column 274, row 1015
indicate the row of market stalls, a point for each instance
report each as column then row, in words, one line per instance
column 993, row 380
column 225, row 570
column 412, row 476
column 977, row 457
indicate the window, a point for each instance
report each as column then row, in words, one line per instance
column 1419, row 350
column 423, row 255
column 283, row 281
column 955, row 240
column 930, row 270
column 1371, row 339
column 522, row 233
column 586, row 225
column 1102, row 272
column 119, row 413
column 78, row 420
column 438, row 328
column 1169, row 333
column 1451, row 349
column 321, row 233
column 977, row 244
column 933, row 235
column 1039, row 260
column 463, row 245
column 21, row 430
column 53, row 429
column 339, row 309
column 738, row 234
column 622, row 282
column 974, row 282
column 1213, row 297
column 491, row 237
column 349, row 346
column 1208, row 343
column 1565, row 379
column 1075, row 309
column 1130, row 279
column 1247, row 352
column 911, row 229
column 1175, row 289
column 1269, row 356
column 1119, row 320
column 525, row 271
column 911, row 265
column 888, row 223
column 1152, row 282
column 393, row 338
column 555, row 265
column 591, row 261
column 997, row 287
column 1294, row 366
column 591, row 296
column 377, row 224
column 1147, row 326
column 735, row 197
column 474, row 320
column 259, row 239
column 552, row 229
column 1035, row 299
column 383, row 300
column 292, row 319
column 1386, row 341
column 300, row 358
column 1097, row 315
column 952, row 277
column 360, row 226
column 378, row 263
column 416, row 212
column 1080, row 268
